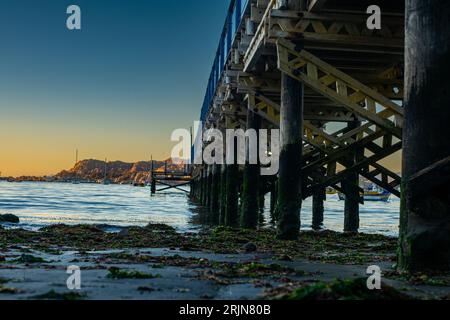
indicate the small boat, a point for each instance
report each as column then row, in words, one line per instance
column 137, row 184
column 76, row 181
column 372, row 194
column 106, row 181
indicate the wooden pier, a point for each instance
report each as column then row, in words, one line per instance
column 336, row 91
column 169, row 180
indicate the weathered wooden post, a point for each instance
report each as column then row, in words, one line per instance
column 318, row 208
column 192, row 189
column 209, row 182
column 215, row 193
column 250, row 194
column 262, row 202
column 232, row 192
column 274, row 200
column 289, row 184
column 350, row 185
column 425, row 214
column 223, row 194
column 153, row 182
column 198, row 188
column 203, row 187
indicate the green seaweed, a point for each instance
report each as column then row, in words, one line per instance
column 143, row 289
column 8, row 290
column 325, row 246
column 435, row 279
column 344, row 290
column 29, row 259
column 66, row 296
column 116, row 273
column 223, row 272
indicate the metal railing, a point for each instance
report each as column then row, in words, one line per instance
column 236, row 12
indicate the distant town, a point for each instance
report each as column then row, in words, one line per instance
column 97, row 171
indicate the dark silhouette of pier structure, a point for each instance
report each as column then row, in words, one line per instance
column 345, row 98
column 169, row 179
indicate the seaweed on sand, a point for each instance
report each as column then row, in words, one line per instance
column 435, row 279
column 53, row 295
column 355, row 289
column 255, row 270
column 326, row 246
column 8, row 290
column 29, row 259
column 116, row 273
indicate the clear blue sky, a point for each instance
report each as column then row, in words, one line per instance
column 117, row 88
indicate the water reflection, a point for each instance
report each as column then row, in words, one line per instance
column 41, row 204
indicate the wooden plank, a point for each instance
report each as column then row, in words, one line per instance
column 357, row 167
column 173, row 187
column 342, row 152
column 343, row 81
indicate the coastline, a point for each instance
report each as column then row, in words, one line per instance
column 42, row 204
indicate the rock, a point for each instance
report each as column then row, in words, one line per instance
column 250, row 247
column 124, row 232
column 9, row 218
column 285, row 258
column 28, row 259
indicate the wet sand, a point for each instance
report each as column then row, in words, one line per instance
column 213, row 265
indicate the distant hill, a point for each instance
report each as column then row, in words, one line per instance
column 116, row 172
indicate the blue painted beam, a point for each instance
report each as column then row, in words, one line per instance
column 233, row 20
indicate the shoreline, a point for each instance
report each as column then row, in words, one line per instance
column 157, row 262
column 40, row 204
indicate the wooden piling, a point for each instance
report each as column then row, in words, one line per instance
column 350, row 185
column 153, row 182
column 198, row 189
column 274, row 201
column 262, row 204
column 425, row 213
column 215, row 194
column 209, row 184
column 252, row 172
column 232, row 192
column 194, row 189
column 289, row 185
column 318, row 208
column 223, row 194
column 203, row 183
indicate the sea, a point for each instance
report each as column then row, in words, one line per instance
column 116, row 206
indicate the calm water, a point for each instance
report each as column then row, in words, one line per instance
column 41, row 204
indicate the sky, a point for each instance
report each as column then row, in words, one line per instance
column 116, row 89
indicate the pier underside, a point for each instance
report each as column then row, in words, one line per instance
column 349, row 115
